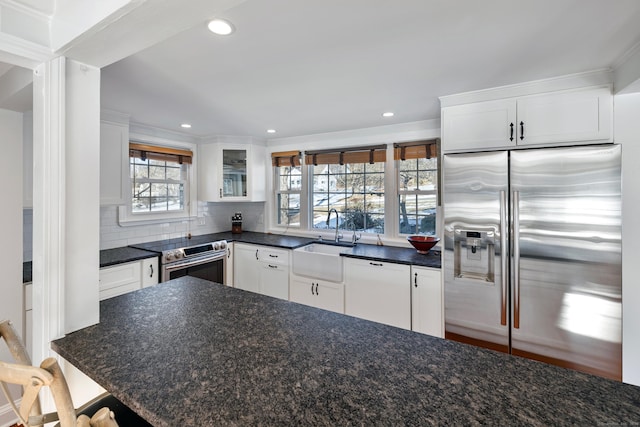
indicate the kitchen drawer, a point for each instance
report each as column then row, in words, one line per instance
column 119, row 279
column 273, row 255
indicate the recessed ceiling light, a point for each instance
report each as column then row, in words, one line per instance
column 271, row 131
column 186, row 125
column 388, row 114
column 220, row 27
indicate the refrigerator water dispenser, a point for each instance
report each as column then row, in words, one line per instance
column 474, row 255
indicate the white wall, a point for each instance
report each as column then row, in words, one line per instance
column 217, row 217
column 627, row 133
column 11, row 220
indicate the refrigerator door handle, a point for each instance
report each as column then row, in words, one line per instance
column 503, row 257
column 516, row 259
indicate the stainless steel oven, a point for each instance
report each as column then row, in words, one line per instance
column 206, row 261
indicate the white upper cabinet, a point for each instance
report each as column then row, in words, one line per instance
column 114, row 163
column 479, row 125
column 583, row 115
column 231, row 172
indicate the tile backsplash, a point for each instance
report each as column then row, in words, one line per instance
column 216, row 218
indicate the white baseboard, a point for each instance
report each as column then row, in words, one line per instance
column 7, row 416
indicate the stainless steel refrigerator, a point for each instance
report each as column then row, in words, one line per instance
column 532, row 259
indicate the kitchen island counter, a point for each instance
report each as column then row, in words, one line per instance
column 192, row 353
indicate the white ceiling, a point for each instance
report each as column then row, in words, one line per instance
column 305, row 67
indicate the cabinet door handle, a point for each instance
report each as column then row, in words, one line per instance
column 273, row 266
column 312, row 288
column 415, row 279
column 228, row 253
column 377, row 264
column 257, row 253
column 317, row 293
column 521, row 131
column 150, row 270
column 221, row 193
column 511, row 134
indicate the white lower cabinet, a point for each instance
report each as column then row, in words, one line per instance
column 123, row 278
column 261, row 269
column 150, row 273
column 317, row 293
column 426, row 301
column 27, row 324
column 378, row 291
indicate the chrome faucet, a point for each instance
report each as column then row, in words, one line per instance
column 338, row 236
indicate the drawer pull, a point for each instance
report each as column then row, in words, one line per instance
column 273, row 256
column 377, row 264
column 273, row 266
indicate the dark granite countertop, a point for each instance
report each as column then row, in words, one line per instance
column 363, row 251
column 194, row 353
column 27, row 272
column 121, row 255
column 395, row 254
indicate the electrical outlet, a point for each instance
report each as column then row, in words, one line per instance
column 201, row 221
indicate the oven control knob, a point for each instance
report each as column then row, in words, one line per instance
column 216, row 246
column 169, row 256
column 177, row 254
column 223, row 244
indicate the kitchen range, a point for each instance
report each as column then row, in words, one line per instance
column 197, row 257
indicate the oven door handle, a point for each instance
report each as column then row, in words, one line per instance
column 191, row 264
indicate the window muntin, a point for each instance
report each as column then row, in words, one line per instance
column 157, row 185
column 354, row 190
column 288, row 186
column 417, row 195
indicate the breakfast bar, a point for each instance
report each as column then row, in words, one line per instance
column 189, row 352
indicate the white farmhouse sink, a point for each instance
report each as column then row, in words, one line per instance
column 319, row 261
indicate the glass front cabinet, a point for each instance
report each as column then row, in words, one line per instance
column 231, row 172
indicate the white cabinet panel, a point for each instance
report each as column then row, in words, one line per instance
column 582, row 115
column 565, row 117
column 480, row 125
column 426, row 301
column 231, row 172
column 378, row 291
column 229, row 266
column 274, row 280
column 119, row 279
column 317, row 293
column 246, row 267
column 261, row 269
column 28, row 317
column 150, row 272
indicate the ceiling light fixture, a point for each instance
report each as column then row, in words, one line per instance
column 388, row 114
column 185, row 125
column 220, row 27
column 271, row 131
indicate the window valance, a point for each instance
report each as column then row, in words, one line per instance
column 370, row 154
column 426, row 149
column 165, row 154
column 286, row 158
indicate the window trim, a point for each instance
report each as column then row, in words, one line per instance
column 128, row 218
column 288, row 159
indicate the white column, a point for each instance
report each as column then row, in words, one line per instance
column 66, row 145
column 627, row 131
column 48, row 205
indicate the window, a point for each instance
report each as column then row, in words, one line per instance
column 159, row 179
column 417, row 186
column 351, row 182
column 288, row 186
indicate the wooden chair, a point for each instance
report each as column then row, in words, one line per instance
column 33, row 378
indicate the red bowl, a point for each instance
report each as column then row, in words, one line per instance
column 423, row 243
